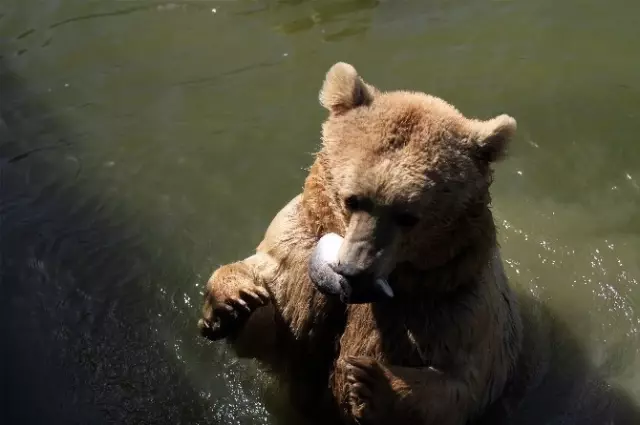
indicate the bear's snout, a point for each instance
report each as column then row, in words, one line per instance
column 353, row 284
column 353, row 272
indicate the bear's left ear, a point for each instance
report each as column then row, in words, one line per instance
column 343, row 89
column 493, row 136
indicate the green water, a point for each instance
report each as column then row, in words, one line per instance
column 143, row 143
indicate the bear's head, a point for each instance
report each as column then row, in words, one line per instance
column 407, row 172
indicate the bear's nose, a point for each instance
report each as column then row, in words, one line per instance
column 352, row 271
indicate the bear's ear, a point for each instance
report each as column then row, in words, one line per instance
column 343, row 89
column 493, row 137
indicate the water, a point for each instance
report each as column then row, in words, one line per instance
column 142, row 143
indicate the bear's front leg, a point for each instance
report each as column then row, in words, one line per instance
column 378, row 394
column 232, row 294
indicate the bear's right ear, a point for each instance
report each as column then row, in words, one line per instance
column 493, row 136
column 343, row 89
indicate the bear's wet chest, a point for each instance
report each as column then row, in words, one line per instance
column 418, row 333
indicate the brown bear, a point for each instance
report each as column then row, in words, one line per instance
column 404, row 178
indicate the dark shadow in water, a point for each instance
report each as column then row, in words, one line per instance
column 78, row 310
column 572, row 391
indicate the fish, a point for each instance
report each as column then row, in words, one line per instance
column 331, row 283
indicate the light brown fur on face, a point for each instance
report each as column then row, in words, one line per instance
column 404, row 177
column 413, row 163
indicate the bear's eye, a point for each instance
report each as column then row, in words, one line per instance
column 355, row 203
column 352, row 202
column 406, row 220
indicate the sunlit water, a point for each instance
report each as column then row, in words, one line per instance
column 143, row 143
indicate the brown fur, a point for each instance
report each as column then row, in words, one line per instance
column 446, row 346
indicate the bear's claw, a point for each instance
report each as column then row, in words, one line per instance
column 209, row 330
column 366, row 381
column 230, row 299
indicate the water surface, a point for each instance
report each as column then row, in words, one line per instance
column 143, row 143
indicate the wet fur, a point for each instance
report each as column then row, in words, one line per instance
column 448, row 345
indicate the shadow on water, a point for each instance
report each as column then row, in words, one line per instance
column 569, row 390
column 86, row 337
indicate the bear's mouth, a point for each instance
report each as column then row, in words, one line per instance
column 362, row 290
